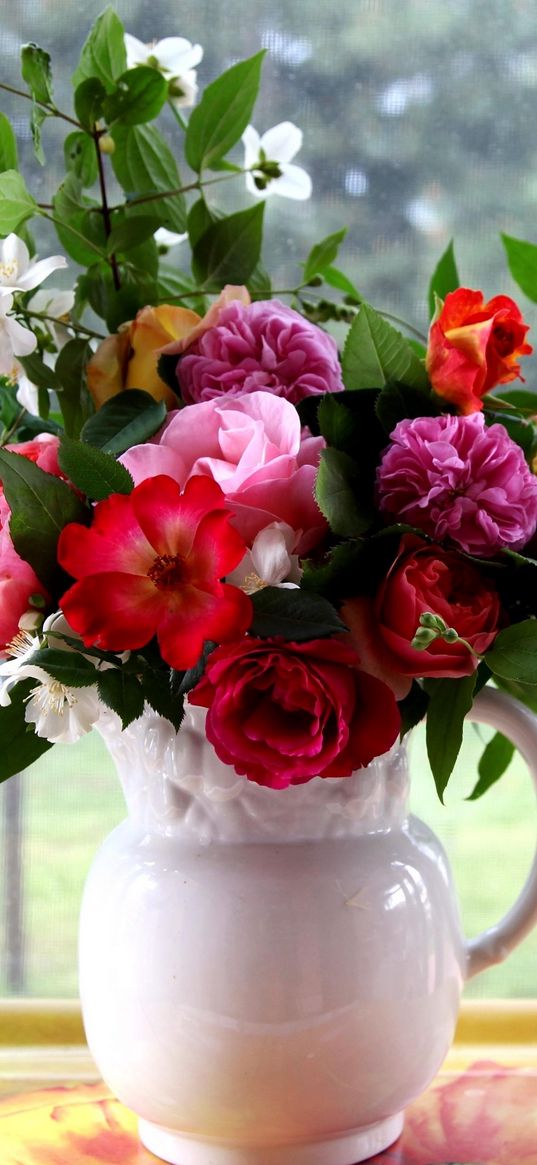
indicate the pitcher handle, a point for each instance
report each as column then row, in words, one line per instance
column 519, row 724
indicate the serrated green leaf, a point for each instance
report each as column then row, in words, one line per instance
column 522, row 263
column 396, row 402
column 20, row 744
column 375, row 352
column 297, row 615
column 8, row 145
column 493, row 762
column 144, row 164
column 139, row 96
column 36, row 71
column 89, row 98
column 513, row 655
column 222, row 114
column 103, row 54
column 68, row 667
column 445, row 277
column 16, row 202
column 41, row 505
column 229, row 250
column 337, row 491
column 123, row 693
column 95, row 473
column 127, row 419
column 159, row 695
column 449, row 702
column 323, row 254
column 336, row 422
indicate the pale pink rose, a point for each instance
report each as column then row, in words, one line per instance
column 254, row 448
column 17, row 583
column 264, row 345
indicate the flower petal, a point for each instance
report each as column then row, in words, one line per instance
column 282, row 142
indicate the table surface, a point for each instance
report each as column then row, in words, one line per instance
column 480, row 1110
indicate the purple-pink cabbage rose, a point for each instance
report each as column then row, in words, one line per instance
column 456, row 479
column 254, row 448
column 263, row 345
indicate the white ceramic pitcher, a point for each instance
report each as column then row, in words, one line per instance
column 268, row 977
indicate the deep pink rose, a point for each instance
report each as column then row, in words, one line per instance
column 423, row 578
column 18, row 582
column 260, row 345
column 282, row 713
column 455, row 478
column 253, row 447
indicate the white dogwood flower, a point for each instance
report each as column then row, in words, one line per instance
column 175, row 57
column 15, row 340
column 268, row 160
column 57, row 305
column 20, row 273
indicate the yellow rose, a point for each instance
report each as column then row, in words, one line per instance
column 129, row 358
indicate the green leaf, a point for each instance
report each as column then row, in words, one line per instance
column 123, row 693
column 95, row 473
column 323, row 254
column 127, row 419
column 144, row 164
column 16, row 202
column 295, row 614
column 37, row 118
column 70, row 373
column 38, row 372
column 103, row 54
column 337, row 279
column 174, row 286
column 259, row 283
column 396, row 402
column 80, row 157
column 36, row 71
column 41, row 505
column 223, row 113
column 89, row 98
column 229, row 250
column 335, row 576
column 338, row 494
column 449, row 702
column 494, row 760
column 522, row 263
column 138, row 97
column 20, row 744
column 445, row 277
column 513, row 655
column 518, row 398
column 159, row 695
column 68, row 667
column 8, row 145
column 375, row 353
column 336, row 422
column 71, row 220
column 130, row 231
column 413, row 708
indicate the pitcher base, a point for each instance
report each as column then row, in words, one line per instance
column 178, row 1149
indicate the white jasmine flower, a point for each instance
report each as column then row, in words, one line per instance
column 174, row 57
column 20, row 273
column 56, row 303
column 270, row 562
column 14, row 339
column 165, row 238
column 273, row 152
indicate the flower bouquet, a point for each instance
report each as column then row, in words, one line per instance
column 210, row 516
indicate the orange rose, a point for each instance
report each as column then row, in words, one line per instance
column 229, row 293
column 129, row 358
column 473, row 346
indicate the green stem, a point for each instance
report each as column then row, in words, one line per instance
column 42, row 315
column 158, row 195
column 6, row 437
column 107, row 221
column 44, row 104
column 180, row 120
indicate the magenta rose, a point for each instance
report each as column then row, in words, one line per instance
column 18, row 582
column 282, row 713
column 263, row 345
column 254, row 448
column 423, row 578
column 455, row 478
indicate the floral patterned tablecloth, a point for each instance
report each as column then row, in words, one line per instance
column 486, row 1115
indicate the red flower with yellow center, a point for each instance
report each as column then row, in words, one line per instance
column 151, row 564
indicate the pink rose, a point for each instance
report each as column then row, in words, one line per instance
column 18, row 583
column 282, row 713
column 423, row 578
column 263, row 345
column 253, row 447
